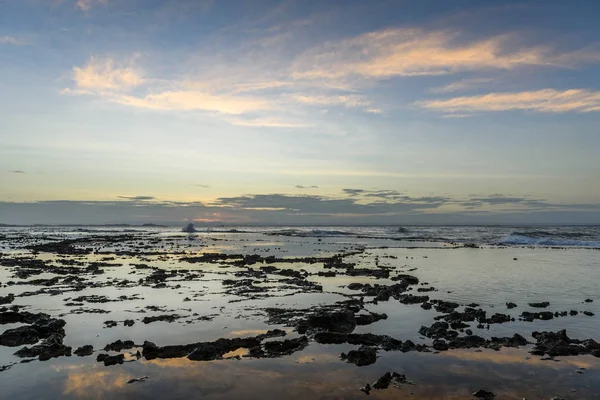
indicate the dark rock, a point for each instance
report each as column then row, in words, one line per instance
column 129, row 322
column 83, row 351
column 445, row 307
column 336, row 321
column 110, row 360
column 588, row 313
column 426, row 306
column 484, row 395
column 368, row 319
column 572, row 313
column 441, row 345
column 7, row 299
column 331, row 337
column 119, row 345
column 412, row 299
column 364, row 355
column 542, row 304
column 167, row 318
column 529, row 316
column 19, row 336
column 285, row 347
column 586, row 300
column 510, row 305
column 390, row 378
column 437, row 330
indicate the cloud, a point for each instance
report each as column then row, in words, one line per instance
column 104, row 78
column 12, row 40
column 344, row 100
column 546, row 100
column 86, row 5
column 137, row 198
column 202, row 186
column 191, row 100
column 462, row 85
column 266, row 122
column 17, row 171
column 415, row 52
column 306, row 187
column 101, row 75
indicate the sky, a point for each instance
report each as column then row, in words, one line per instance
column 299, row 111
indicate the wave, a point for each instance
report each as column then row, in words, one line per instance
column 544, row 234
column 527, row 240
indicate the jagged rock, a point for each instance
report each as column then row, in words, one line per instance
column 364, row 355
column 83, row 351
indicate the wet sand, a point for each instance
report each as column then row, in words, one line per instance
column 238, row 315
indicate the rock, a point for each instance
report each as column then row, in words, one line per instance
column 205, row 351
column 167, row 318
column 119, row 345
column 7, row 299
column 110, row 360
column 412, row 299
column 336, row 321
column 586, row 300
column 370, row 318
column 484, row 395
column 128, row 322
column 559, row 344
column 445, row 307
column 110, row 324
column 588, row 313
column 572, row 313
column 19, row 336
column 542, row 304
column 364, row 355
column 83, row 351
column 441, row 345
column 529, row 316
column 331, row 337
column 437, row 330
column 426, row 306
column 390, row 378
column 285, row 347
column 510, row 305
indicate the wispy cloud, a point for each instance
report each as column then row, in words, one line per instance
column 306, row 187
column 13, row 40
column 547, row 100
column 266, row 122
column 137, row 198
column 462, row 85
column 202, row 186
column 191, row 100
column 86, row 5
column 17, row 171
column 101, row 75
column 413, row 52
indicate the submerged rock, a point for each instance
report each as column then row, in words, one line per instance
column 510, row 305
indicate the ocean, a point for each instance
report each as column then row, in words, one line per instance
column 299, row 312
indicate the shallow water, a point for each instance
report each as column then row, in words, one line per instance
column 489, row 276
